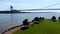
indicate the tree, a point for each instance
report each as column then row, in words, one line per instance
column 36, row 19
column 53, row 18
column 25, row 22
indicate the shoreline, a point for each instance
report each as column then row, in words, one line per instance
column 8, row 31
column 12, row 29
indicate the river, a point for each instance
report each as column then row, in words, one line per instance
column 10, row 20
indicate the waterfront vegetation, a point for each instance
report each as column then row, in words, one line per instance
column 45, row 26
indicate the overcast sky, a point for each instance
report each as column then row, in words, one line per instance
column 29, row 4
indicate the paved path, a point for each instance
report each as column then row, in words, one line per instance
column 12, row 30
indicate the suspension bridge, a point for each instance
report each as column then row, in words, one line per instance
column 39, row 9
column 44, row 8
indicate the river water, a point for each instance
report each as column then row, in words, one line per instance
column 10, row 20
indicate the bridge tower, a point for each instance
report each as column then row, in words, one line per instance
column 11, row 8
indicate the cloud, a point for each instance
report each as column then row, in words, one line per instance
column 22, row 4
column 13, row 3
column 6, row 5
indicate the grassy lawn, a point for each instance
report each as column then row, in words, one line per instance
column 45, row 27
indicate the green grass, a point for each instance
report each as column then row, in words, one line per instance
column 45, row 27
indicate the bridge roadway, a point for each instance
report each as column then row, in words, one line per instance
column 39, row 9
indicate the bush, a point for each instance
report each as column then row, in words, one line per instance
column 32, row 24
column 24, row 28
column 36, row 22
column 43, row 18
column 53, row 18
column 32, row 20
column 25, row 22
column 59, row 18
column 40, row 19
column 36, row 19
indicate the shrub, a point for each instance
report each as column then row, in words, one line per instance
column 59, row 18
column 36, row 22
column 40, row 19
column 53, row 18
column 32, row 24
column 32, row 20
column 43, row 18
column 25, row 22
column 24, row 28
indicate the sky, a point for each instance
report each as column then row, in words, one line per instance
column 29, row 4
